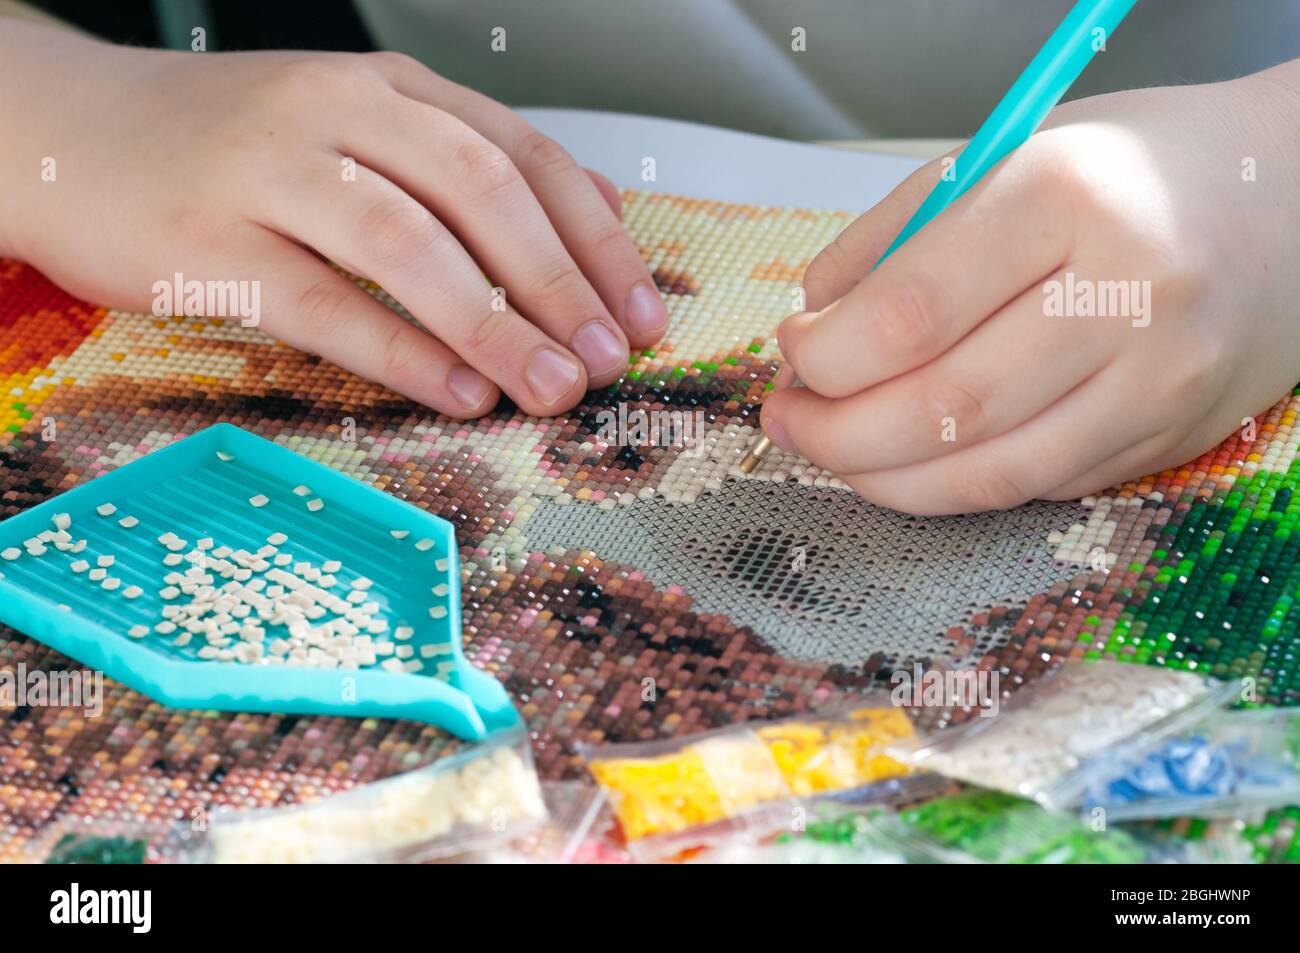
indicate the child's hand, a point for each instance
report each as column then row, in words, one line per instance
column 941, row 383
column 256, row 166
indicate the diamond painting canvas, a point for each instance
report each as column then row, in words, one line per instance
column 629, row 589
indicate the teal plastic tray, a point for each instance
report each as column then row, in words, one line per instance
column 201, row 488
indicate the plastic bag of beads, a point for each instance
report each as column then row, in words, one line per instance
column 786, row 850
column 474, row 800
column 682, row 793
column 1229, row 764
column 829, row 828
column 983, row 826
column 1037, row 743
column 823, row 832
column 98, row 841
column 577, row 830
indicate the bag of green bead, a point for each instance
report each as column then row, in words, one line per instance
column 981, row 826
column 98, row 840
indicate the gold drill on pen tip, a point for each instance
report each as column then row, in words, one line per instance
column 760, row 447
column 755, row 454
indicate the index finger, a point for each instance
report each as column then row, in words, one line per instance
column 582, row 218
column 854, row 252
column 1003, row 236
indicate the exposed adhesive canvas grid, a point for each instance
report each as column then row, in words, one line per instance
column 623, row 592
column 818, row 574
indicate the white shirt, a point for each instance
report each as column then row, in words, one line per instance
column 910, row 68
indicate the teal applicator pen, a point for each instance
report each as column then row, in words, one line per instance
column 1065, row 55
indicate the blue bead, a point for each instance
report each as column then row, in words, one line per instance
column 1183, row 767
column 1197, row 768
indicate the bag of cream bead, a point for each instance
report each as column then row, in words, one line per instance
column 472, row 801
column 1037, row 744
column 574, row 832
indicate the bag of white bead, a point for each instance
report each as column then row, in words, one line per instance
column 1034, row 747
column 476, row 800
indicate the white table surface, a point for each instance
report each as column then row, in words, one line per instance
column 704, row 161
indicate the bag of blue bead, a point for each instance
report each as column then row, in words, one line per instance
column 1231, row 764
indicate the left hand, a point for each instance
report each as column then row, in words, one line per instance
column 944, row 382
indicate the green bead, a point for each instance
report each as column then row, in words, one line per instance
column 79, row 849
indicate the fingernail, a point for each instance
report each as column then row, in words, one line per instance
column 468, row 386
column 599, row 348
column 646, row 313
column 776, row 433
column 551, row 375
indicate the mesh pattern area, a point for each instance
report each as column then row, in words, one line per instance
column 817, row 572
column 590, row 566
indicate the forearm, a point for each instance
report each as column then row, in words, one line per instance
column 38, row 79
column 1285, row 74
column 1274, row 94
column 21, row 11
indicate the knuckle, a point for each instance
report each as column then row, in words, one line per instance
column 487, row 170
column 1060, row 182
column 541, row 153
column 610, row 240
column 980, row 487
column 559, row 282
column 1067, row 493
column 491, row 338
column 1184, row 280
column 310, row 77
column 826, row 451
column 906, row 321
column 324, row 305
column 398, row 358
column 392, row 62
column 823, row 273
column 398, row 232
column 949, row 396
column 1198, row 368
column 792, row 342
